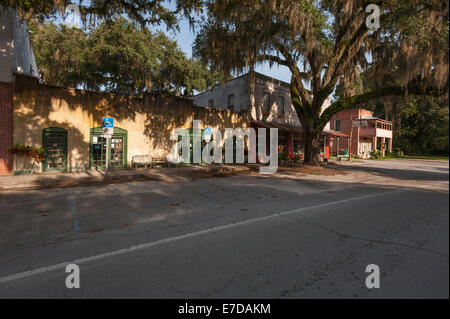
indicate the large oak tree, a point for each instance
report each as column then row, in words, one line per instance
column 327, row 44
column 119, row 57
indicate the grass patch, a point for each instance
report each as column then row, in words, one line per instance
column 427, row 157
column 378, row 157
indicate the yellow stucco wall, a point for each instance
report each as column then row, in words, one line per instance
column 148, row 121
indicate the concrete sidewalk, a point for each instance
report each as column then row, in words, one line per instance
column 94, row 177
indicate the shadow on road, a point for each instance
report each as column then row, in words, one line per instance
column 401, row 174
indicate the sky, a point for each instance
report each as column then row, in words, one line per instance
column 186, row 37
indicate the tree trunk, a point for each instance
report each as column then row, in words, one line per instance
column 312, row 148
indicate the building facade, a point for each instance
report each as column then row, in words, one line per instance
column 366, row 132
column 266, row 100
column 16, row 56
column 67, row 123
column 269, row 104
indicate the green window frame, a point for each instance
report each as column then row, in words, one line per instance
column 46, row 133
column 118, row 133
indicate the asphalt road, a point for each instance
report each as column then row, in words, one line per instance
column 286, row 236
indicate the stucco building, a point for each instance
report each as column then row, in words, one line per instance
column 269, row 104
column 67, row 123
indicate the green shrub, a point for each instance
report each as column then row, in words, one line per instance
column 282, row 157
column 376, row 154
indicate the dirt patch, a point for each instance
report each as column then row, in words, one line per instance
column 300, row 169
column 324, row 170
column 220, row 171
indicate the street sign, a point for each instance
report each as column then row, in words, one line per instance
column 107, row 131
column 108, row 122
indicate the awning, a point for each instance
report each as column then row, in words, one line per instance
column 334, row 133
column 290, row 128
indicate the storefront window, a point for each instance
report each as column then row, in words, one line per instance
column 117, row 149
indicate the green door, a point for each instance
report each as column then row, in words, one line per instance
column 54, row 142
column 191, row 139
column 117, row 149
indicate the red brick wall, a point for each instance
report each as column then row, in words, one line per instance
column 6, row 127
column 346, row 117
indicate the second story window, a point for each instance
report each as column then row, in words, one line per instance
column 280, row 105
column 211, row 103
column 231, row 102
column 266, row 107
column 337, row 125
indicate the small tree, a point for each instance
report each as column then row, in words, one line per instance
column 329, row 43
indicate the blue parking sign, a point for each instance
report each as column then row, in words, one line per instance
column 208, row 130
column 108, row 122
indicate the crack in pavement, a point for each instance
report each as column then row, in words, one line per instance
column 377, row 241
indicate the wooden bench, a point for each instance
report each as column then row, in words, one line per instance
column 159, row 161
column 148, row 161
column 142, row 161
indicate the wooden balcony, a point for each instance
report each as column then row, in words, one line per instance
column 372, row 132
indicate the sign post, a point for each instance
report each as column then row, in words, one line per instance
column 349, row 144
column 107, row 132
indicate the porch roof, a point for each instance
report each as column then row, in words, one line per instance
column 334, row 133
column 290, row 128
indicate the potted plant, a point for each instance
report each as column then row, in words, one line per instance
column 29, row 155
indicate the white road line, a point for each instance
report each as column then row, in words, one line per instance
column 63, row 265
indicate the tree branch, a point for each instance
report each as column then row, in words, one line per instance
column 296, row 75
column 272, row 58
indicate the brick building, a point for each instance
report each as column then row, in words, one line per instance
column 6, row 127
column 366, row 132
column 16, row 57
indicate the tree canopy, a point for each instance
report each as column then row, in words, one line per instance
column 140, row 11
column 117, row 56
column 328, row 43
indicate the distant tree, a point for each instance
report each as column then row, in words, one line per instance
column 422, row 125
column 117, row 56
column 328, row 43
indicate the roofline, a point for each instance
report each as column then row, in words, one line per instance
column 374, row 119
column 272, row 79
column 263, row 76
